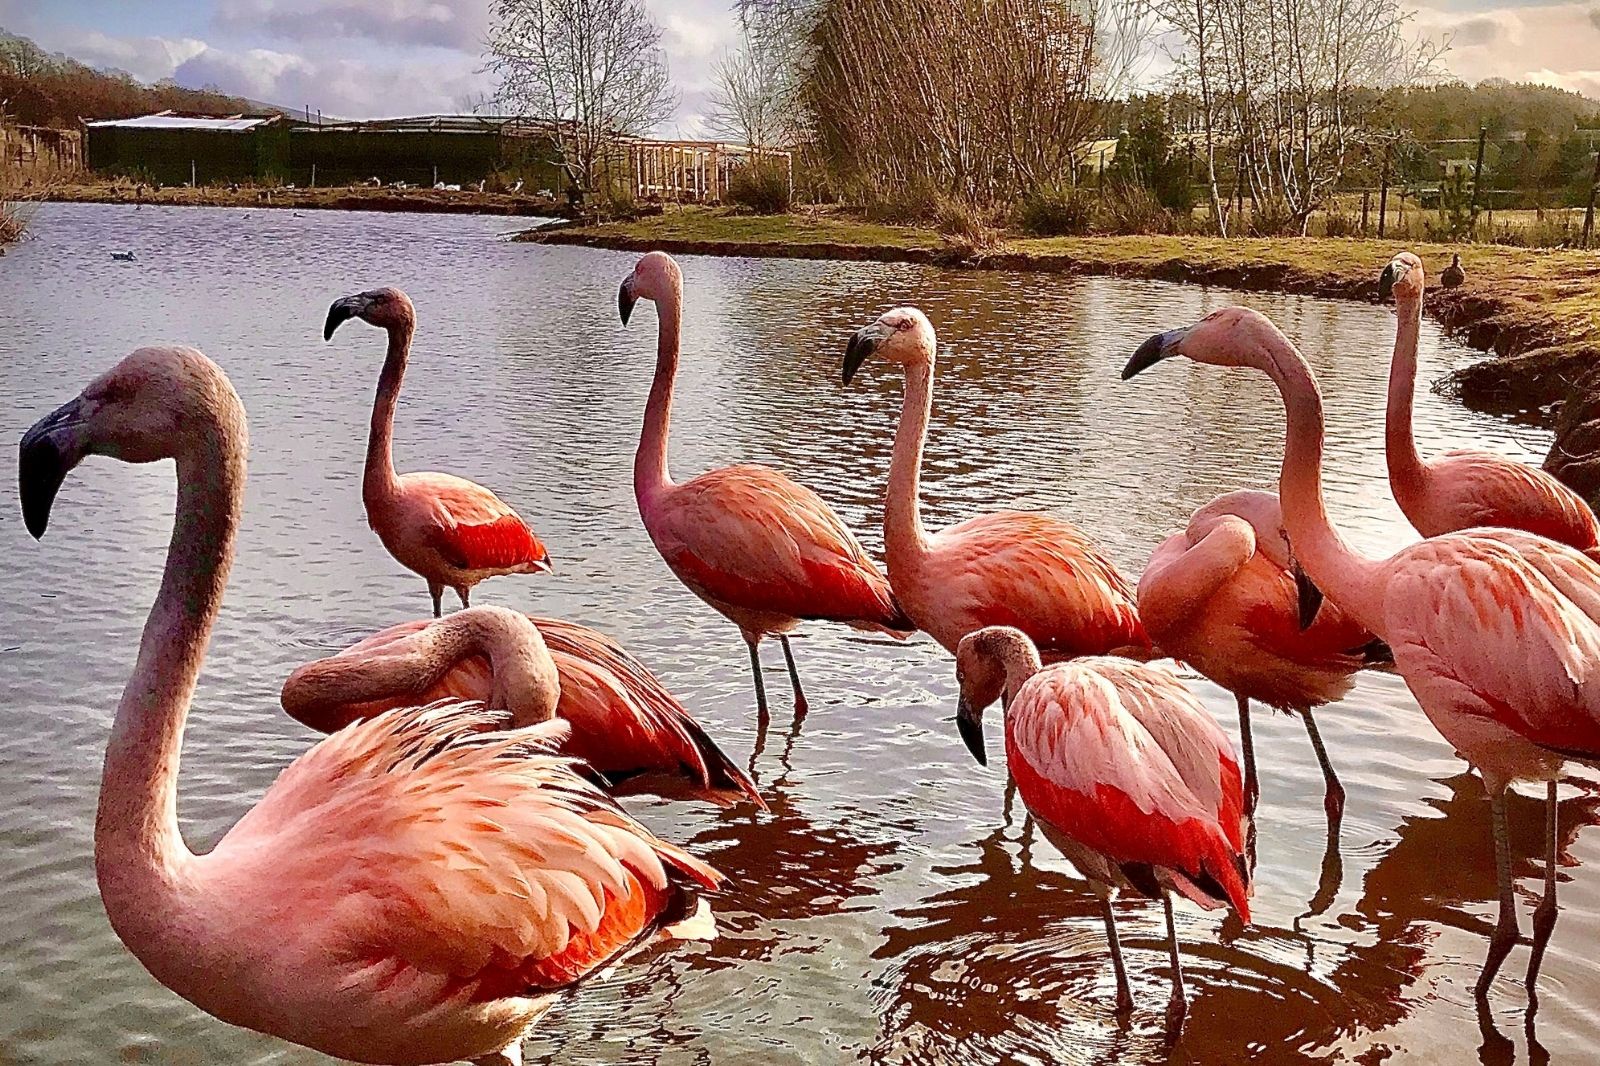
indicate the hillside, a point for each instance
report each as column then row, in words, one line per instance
column 40, row 89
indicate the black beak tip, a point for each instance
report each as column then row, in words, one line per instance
column 971, row 731
column 1386, row 283
column 1145, row 356
column 39, row 478
column 625, row 302
column 861, row 346
column 337, row 314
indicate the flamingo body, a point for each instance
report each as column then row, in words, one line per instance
column 766, row 552
column 624, row 720
column 1034, row 572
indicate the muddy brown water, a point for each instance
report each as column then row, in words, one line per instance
column 887, row 909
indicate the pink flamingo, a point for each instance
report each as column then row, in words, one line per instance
column 1126, row 773
column 1469, row 487
column 761, row 549
column 451, row 531
column 624, row 720
column 1224, row 596
column 1496, row 631
column 1032, row 571
column 412, row 889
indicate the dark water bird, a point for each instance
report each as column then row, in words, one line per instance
column 123, row 257
column 1453, row 274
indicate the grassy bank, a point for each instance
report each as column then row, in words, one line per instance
column 340, row 198
column 1537, row 310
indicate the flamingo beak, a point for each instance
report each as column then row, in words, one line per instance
column 343, row 310
column 969, row 723
column 1391, row 274
column 1152, row 351
column 862, row 344
column 626, row 299
column 1309, row 595
column 49, row 451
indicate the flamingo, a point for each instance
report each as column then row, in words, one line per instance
column 1032, row 571
column 451, row 531
column 764, row 551
column 624, row 720
column 410, row 890
column 1127, row 774
column 1496, row 631
column 1224, row 597
column 1470, row 487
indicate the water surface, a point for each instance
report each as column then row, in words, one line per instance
column 887, row 910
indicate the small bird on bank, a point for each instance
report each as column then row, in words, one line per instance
column 1453, row 274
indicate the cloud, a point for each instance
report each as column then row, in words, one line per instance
column 455, row 24
column 1586, row 82
column 1551, row 43
column 146, row 58
column 346, row 88
column 1482, row 31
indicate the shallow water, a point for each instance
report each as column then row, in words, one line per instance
column 887, row 909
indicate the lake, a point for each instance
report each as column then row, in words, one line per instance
column 887, row 909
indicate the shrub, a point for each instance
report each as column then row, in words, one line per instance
column 1338, row 224
column 914, row 201
column 1272, row 218
column 760, row 188
column 1127, row 208
column 1056, row 210
column 967, row 227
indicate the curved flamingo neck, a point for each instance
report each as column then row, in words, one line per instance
column 1173, row 588
column 1021, row 661
column 524, row 677
column 1346, row 576
column 379, row 479
column 1407, row 472
column 903, row 535
column 650, row 474
column 140, row 856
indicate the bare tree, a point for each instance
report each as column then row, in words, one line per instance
column 594, row 68
column 980, row 99
column 1290, row 82
column 754, row 98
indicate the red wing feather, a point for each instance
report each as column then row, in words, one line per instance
column 499, row 545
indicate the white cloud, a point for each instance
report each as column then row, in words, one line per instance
column 1551, row 43
column 345, row 88
column 454, row 24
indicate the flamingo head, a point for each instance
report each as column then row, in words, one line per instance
column 386, row 308
column 1403, row 276
column 655, row 277
column 143, row 409
column 1231, row 336
column 991, row 664
column 903, row 335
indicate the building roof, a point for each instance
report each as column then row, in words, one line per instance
column 171, row 120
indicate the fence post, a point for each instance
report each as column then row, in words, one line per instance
column 193, row 181
column 1366, row 207
column 1383, row 193
column 1477, row 174
column 1588, row 215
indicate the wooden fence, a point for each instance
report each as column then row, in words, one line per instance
column 39, row 153
column 695, row 171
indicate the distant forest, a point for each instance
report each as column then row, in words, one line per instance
column 40, row 89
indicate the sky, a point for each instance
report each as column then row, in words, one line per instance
column 387, row 58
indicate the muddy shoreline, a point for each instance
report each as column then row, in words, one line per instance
column 345, row 198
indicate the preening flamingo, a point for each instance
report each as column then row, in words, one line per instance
column 1032, row 571
column 624, row 720
column 1126, row 773
column 1469, row 487
column 761, row 549
column 1496, row 631
column 451, row 531
column 411, row 890
column 1224, row 597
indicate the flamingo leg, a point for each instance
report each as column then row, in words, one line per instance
column 466, row 596
column 800, row 704
column 1544, row 917
column 761, row 686
column 437, row 592
column 1178, row 1006
column 1506, row 932
column 1252, row 788
column 1124, row 996
column 1333, row 797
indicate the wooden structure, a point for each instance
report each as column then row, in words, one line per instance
column 39, row 153
column 695, row 171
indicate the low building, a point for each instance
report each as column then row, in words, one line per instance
column 171, row 148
